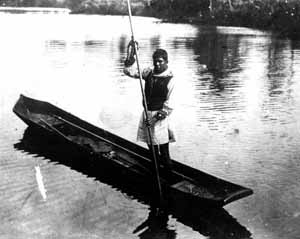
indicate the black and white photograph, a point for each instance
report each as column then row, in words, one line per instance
column 150, row 119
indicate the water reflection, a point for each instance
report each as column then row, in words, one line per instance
column 122, row 49
column 155, row 226
column 217, row 88
column 215, row 223
column 90, row 44
column 56, row 44
column 57, row 47
column 280, row 67
column 221, row 54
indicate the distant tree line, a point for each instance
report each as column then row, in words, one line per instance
column 280, row 15
column 283, row 16
column 31, row 3
column 112, row 7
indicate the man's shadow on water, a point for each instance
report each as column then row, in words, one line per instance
column 215, row 223
column 156, row 226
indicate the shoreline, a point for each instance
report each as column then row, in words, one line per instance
column 35, row 9
column 282, row 21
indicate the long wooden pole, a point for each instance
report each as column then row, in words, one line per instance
column 145, row 104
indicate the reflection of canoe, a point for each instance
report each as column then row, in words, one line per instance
column 212, row 222
column 184, row 182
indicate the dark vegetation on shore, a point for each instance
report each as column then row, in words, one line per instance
column 281, row 16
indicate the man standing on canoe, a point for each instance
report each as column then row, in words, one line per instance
column 158, row 89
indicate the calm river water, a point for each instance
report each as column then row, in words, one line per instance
column 239, row 120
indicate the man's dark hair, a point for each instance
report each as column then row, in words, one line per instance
column 160, row 53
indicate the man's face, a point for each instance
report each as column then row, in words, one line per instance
column 160, row 65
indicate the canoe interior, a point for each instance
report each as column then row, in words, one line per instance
column 184, row 179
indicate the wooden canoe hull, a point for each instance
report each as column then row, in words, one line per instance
column 185, row 182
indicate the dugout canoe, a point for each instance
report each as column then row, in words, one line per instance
column 183, row 182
